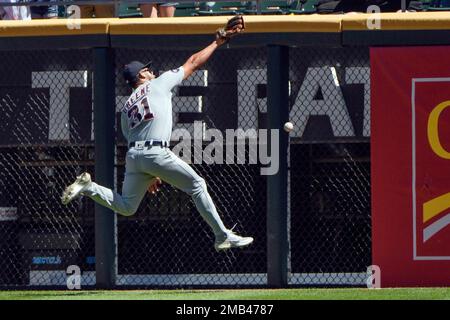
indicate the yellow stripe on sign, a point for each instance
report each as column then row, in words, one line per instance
column 435, row 206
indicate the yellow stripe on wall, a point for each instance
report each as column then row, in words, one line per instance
column 330, row 23
column 52, row 27
column 399, row 21
column 207, row 25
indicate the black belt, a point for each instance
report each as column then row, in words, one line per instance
column 150, row 143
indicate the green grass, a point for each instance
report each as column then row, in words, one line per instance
column 246, row 294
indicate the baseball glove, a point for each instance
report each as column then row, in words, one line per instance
column 234, row 26
column 154, row 185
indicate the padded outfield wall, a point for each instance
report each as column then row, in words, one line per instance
column 60, row 95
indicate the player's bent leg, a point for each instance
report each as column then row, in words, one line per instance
column 179, row 174
column 110, row 199
column 227, row 239
column 133, row 190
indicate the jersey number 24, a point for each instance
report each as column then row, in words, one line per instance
column 139, row 112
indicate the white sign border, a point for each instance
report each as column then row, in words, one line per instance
column 413, row 118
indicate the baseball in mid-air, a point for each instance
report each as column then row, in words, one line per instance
column 288, row 126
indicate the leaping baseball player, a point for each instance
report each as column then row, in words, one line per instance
column 146, row 121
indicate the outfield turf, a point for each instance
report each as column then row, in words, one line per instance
column 253, row 294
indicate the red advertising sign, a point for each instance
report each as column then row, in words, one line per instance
column 410, row 139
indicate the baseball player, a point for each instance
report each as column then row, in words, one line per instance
column 146, row 121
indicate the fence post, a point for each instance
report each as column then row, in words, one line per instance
column 277, row 211
column 104, row 119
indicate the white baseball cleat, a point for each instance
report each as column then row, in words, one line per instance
column 75, row 189
column 232, row 241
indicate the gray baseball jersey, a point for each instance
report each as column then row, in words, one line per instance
column 147, row 114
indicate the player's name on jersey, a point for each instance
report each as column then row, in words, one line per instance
column 140, row 92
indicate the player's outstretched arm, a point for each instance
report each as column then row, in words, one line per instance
column 234, row 26
column 199, row 59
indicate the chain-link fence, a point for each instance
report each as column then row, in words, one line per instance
column 167, row 242
column 330, row 225
column 47, row 139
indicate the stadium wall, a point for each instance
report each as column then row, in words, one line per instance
column 49, row 134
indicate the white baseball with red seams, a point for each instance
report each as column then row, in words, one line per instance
column 288, row 126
